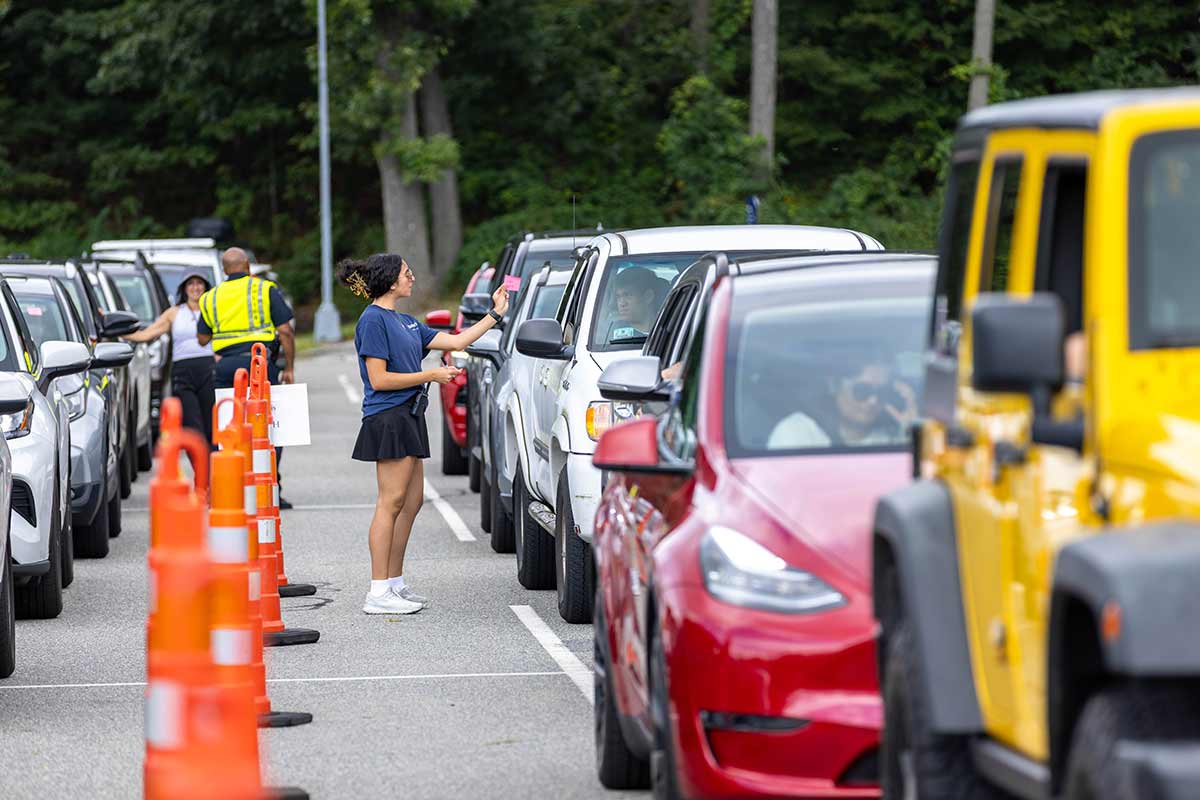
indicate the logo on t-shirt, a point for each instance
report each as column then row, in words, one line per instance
column 412, row 326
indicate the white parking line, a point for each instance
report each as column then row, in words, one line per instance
column 451, row 516
column 352, row 393
column 336, row 678
column 580, row 675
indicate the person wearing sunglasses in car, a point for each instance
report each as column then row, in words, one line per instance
column 865, row 408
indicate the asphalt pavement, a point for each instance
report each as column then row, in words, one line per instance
column 486, row 694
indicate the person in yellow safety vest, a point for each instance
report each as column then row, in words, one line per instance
column 240, row 312
column 245, row 309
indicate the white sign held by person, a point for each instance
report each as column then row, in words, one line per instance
column 289, row 413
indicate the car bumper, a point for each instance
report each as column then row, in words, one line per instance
column 795, row 711
column 584, row 480
column 33, row 466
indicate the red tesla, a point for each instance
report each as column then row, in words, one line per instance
column 734, row 634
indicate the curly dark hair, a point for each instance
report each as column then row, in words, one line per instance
column 372, row 277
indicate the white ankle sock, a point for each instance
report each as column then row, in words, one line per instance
column 379, row 588
column 396, row 583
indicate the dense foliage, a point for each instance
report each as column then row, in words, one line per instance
column 129, row 117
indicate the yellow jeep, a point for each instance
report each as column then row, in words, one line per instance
column 1038, row 585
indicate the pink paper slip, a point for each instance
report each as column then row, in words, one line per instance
column 512, row 282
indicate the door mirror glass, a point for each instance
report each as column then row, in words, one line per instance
column 1017, row 343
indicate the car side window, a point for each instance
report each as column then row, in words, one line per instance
column 32, row 354
column 679, row 431
column 1060, row 238
column 666, row 326
column 1001, row 216
column 955, row 240
column 572, row 305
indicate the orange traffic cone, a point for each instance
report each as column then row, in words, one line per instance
column 236, row 439
column 258, row 414
column 261, row 385
column 200, row 740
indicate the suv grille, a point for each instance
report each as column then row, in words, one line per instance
column 22, row 501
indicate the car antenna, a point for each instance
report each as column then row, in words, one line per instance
column 572, row 222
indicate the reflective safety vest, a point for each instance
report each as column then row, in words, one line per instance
column 239, row 311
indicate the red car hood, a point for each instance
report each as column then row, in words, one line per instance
column 829, row 501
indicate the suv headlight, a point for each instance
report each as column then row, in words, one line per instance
column 76, row 402
column 740, row 571
column 459, row 358
column 604, row 414
column 19, row 424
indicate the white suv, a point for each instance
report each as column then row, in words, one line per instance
column 614, row 296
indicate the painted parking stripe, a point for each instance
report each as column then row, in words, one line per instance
column 451, row 516
column 352, row 393
column 329, row 679
column 580, row 675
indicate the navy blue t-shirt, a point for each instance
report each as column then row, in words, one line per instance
column 397, row 338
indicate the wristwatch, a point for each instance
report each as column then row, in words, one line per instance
column 492, row 313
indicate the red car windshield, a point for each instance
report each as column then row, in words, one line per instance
column 827, row 359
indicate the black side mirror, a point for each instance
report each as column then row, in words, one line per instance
column 118, row 323
column 636, row 378
column 475, row 306
column 1017, row 346
column 543, row 338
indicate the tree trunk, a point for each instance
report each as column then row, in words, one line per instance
column 700, row 19
column 404, row 207
column 765, row 37
column 445, row 215
column 981, row 53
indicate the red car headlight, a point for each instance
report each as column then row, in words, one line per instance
column 740, row 571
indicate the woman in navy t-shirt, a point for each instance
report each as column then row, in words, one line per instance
column 390, row 347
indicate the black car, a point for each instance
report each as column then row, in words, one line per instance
column 99, row 325
column 146, row 295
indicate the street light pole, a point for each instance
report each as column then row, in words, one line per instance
column 327, row 326
column 981, row 53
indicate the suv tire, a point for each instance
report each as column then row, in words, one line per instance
column 8, row 621
column 92, row 540
column 535, row 548
column 113, row 510
column 42, row 598
column 453, row 461
column 617, row 766
column 485, row 504
column 1141, row 712
column 67, row 537
column 145, row 456
column 474, row 474
column 572, row 561
column 503, row 537
column 931, row 765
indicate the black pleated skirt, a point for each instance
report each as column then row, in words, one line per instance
column 395, row 433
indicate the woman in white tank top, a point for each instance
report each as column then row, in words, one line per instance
column 191, row 363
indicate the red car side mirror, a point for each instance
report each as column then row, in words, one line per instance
column 629, row 447
column 438, row 319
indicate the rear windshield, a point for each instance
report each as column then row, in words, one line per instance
column 1164, row 241
column 818, row 363
column 43, row 316
column 136, row 290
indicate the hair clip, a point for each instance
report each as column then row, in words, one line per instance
column 357, row 285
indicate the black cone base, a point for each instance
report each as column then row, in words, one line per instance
column 284, row 793
column 284, row 719
column 290, row 636
column 297, row 590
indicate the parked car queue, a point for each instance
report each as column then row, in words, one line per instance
column 78, row 409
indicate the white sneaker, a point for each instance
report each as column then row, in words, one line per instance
column 412, row 597
column 389, row 603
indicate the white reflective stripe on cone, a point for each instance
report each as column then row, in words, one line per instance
column 275, row 495
column 229, row 545
column 255, row 584
column 230, row 646
column 262, row 460
column 250, row 499
column 266, row 530
column 164, row 714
